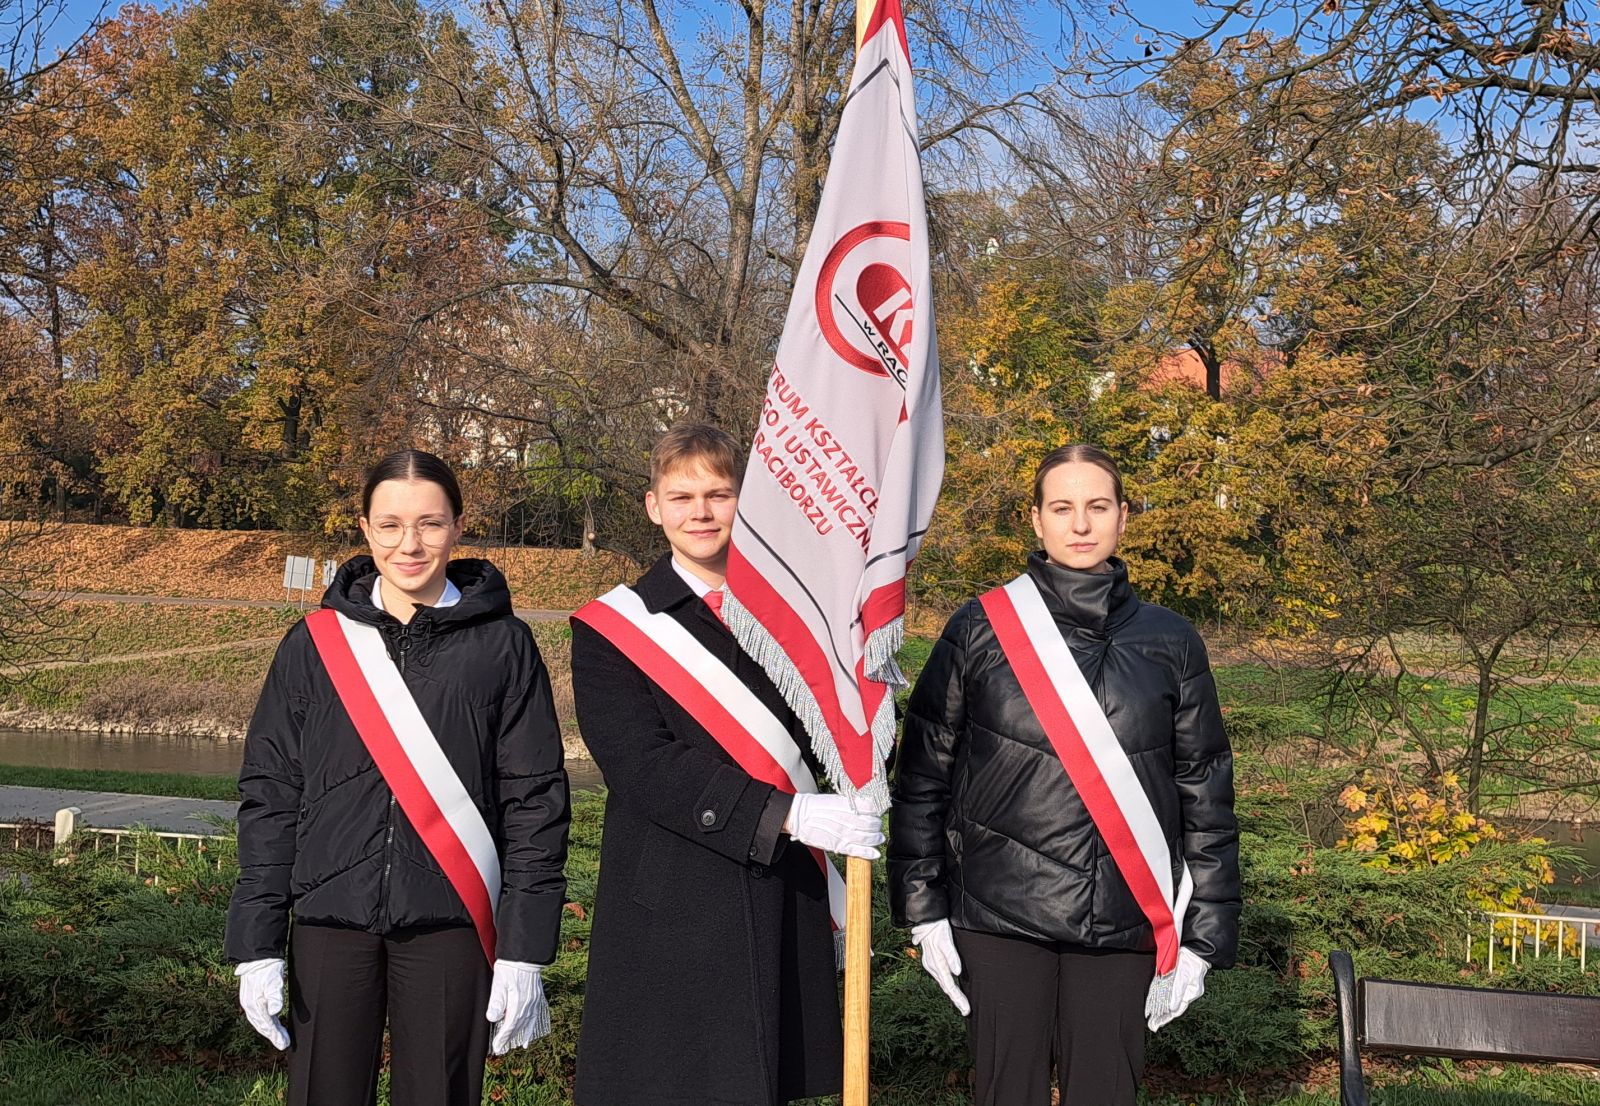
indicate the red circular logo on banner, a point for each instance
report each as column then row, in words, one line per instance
column 864, row 301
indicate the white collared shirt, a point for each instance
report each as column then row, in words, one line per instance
column 451, row 596
column 699, row 586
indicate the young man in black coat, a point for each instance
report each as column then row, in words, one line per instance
column 712, row 978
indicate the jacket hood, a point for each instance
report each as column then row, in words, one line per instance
column 1094, row 601
column 484, row 593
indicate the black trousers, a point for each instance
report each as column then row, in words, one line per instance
column 433, row 985
column 1034, row 1001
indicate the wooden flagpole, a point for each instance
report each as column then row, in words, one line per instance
column 857, row 978
column 858, row 895
column 863, row 17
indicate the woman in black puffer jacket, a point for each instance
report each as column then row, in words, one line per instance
column 994, row 857
column 379, row 932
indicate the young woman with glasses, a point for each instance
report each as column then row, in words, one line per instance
column 405, row 801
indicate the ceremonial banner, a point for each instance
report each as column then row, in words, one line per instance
column 847, row 459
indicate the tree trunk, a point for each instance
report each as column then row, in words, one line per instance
column 1208, row 357
column 1480, row 723
column 291, row 425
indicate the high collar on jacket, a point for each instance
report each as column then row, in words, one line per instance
column 1098, row 602
column 484, row 594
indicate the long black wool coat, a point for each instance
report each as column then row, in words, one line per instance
column 712, row 977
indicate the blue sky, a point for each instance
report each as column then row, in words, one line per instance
column 75, row 18
column 1172, row 15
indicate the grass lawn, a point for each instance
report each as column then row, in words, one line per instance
column 1544, row 735
column 205, row 693
column 127, row 783
column 202, row 693
column 51, row 1074
column 1260, row 684
column 87, row 630
column 1574, row 659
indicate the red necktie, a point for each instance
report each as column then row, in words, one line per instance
column 714, row 601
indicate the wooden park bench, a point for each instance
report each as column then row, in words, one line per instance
column 1479, row 1023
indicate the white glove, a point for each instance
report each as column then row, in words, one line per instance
column 1171, row 994
column 261, row 998
column 940, row 959
column 846, row 824
column 517, row 1004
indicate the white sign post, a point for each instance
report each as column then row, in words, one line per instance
column 299, row 574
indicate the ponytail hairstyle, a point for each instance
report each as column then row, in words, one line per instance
column 412, row 464
column 1070, row 454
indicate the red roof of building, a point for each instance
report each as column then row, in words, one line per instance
column 1184, row 366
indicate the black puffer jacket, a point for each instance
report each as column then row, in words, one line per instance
column 319, row 830
column 987, row 829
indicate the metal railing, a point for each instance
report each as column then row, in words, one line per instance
column 198, row 842
column 35, row 836
column 42, row 836
column 1519, row 930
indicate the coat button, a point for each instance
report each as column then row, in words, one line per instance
column 708, row 817
column 757, row 871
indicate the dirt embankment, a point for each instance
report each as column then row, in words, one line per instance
column 248, row 564
column 196, row 670
column 199, row 691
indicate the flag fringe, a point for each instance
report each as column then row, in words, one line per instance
column 883, row 645
column 763, row 648
column 878, row 662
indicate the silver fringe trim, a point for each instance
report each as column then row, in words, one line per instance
column 883, row 644
column 881, row 647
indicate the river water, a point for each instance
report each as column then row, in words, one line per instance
column 191, row 756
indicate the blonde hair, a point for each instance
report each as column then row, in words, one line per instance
column 700, row 443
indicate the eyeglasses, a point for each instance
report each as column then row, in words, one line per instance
column 387, row 534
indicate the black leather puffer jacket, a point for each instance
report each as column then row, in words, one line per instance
column 987, row 829
column 319, row 830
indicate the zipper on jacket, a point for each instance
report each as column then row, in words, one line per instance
column 402, row 646
column 388, row 856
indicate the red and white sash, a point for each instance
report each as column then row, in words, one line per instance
column 748, row 731
column 408, row 756
column 1095, row 760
